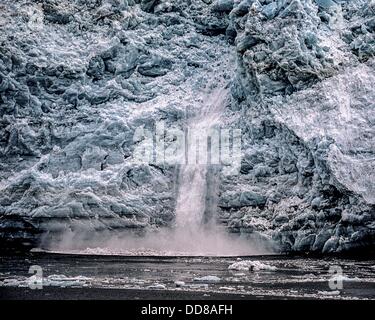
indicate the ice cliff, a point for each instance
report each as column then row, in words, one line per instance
column 77, row 78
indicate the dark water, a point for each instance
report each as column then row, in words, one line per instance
column 88, row 276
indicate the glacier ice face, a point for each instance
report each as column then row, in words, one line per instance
column 304, row 91
column 77, row 78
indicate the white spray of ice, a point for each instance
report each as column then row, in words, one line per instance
column 191, row 235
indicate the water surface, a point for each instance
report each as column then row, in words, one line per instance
column 193, row 277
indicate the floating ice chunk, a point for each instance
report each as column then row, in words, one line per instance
column 207, row 279
column 329, row 293
column 340, row 277
column 55, row 280
column 157, row 286
column 248, row 265
column 12, row 283
column 179, row 283
column 37, row 250
column 227, row 288
column 61, row 277
column 199, row 286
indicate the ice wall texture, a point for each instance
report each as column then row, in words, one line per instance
column 78, row 77
column 305, row 89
